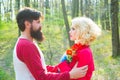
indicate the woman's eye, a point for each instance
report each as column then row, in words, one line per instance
column 73, row 28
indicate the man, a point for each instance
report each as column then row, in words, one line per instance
column 29, row 63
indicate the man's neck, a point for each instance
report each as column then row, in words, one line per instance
column 26, row 36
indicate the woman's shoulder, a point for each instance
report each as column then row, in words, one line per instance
column 85, row 50
column 84, row 56
column 84, row 53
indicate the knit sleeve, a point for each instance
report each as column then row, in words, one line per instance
column 29, row 54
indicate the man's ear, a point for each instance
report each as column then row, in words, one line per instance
column 27, row 24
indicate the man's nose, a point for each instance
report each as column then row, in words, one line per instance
column 40, row 25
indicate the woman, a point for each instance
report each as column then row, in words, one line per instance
column 83, row 32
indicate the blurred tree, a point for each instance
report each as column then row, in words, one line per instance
column 17, row 3
column 75, row 8
column 47, row 7
column 103, row 14
column 18, row 7
column 10, row 10
column 51, row 8
column 115, row 28
column 107, row 14
column 0, row 11
column 87, row 8
column 96, row 11
column 27, row 3
column 105, row 17
column 3, row 10
column 66, row 21
column 35, row 3
column 41, row 5
column 81, row 7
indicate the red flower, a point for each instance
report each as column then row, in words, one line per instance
column 75, row 46
column 69, row 52
column 72, row 52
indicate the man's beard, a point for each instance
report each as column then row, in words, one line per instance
column 37, row 34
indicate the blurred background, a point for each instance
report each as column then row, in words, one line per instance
column 56, row 25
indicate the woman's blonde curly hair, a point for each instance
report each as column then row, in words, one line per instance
column 87, row 30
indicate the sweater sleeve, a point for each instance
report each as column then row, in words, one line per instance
column 86, row 58
column 52, row 68
column 29, row 54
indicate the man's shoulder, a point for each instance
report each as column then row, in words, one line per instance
column 24, row 42
column 24, row 45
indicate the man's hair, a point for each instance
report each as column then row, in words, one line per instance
column 26, row 14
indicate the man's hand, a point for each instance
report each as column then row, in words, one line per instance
column 80, row 72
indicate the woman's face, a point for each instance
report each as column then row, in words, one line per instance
column 73, row 33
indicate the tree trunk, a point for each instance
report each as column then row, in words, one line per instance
column 75, row 8
column 50, row 56
column 47, row 9
column 27, row 3
column 0, row 11
column 18, row 4
column 3, row 10
column 97, row 11
column 35, row 4
column 107, row 16
column 10, row 10
column 81, row 7
column 86, row 11
column 115, row 28
column 47, row 6
column 66, row 21
column 103, row 15
column 41, row 5
column 18, row 7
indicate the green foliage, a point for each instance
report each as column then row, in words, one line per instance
column 7, row 25
column 53, row 46
column 4, row 75
column 7, row 40
column 106, row 67
column 56, row 20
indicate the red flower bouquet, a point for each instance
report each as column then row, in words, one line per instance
column 72, row 51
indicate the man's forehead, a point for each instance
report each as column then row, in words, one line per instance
column 37, row 19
